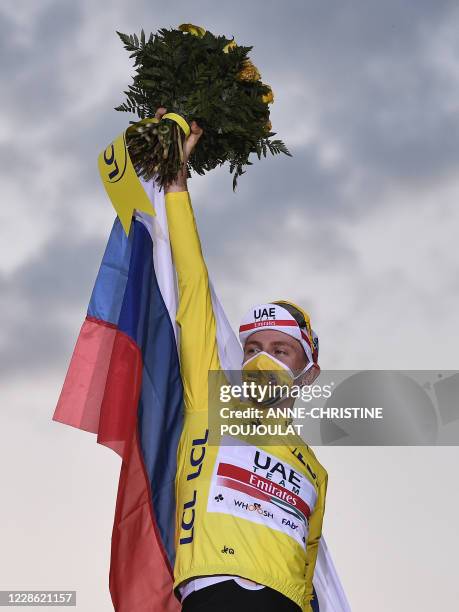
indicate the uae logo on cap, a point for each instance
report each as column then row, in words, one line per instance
column 264, row 313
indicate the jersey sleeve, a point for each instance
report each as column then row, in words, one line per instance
column 195, row 316
column 315, row 531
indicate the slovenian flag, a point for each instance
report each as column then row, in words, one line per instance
column 124, row 385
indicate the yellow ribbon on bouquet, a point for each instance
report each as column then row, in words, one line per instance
column 120, row 178
column 180, row 120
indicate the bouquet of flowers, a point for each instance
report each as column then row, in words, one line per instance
column 202, row 77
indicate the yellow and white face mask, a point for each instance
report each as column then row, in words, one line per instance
column 266, row 371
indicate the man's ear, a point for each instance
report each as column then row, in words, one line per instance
column 309, row 377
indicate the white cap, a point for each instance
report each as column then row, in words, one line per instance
column 274, row 316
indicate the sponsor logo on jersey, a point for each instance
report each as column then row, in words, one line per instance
column 197, row 454
column 227, row 550
column 255, row 507
column 289, row 523
column 240, row 479
column 269, row 466
column 252, row 484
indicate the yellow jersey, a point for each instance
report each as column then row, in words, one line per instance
column 250, row 511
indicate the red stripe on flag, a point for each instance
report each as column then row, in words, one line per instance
column 102, row 386
column 84, row 386
column 100, row 322
column 263, row 484
column 118, row 413
column 141, row 578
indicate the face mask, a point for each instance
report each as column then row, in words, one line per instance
column 266, row 371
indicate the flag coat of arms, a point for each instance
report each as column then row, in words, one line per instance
column 124, row 385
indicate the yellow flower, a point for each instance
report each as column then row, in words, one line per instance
column 249, row 72
column 192, row 29
column 229, row 46
column 268, row 126
column 269, row 97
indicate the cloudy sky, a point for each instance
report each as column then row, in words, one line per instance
column 360, row 226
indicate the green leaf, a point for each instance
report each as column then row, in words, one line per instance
column 193, row 77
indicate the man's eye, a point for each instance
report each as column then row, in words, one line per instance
column 280, row 352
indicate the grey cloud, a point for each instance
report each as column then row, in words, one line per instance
column 392, row 124
column 267, row 195
column 32, row 71
column 38, row 301
column 390, row 129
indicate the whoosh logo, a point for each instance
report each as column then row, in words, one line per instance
column 255, row 507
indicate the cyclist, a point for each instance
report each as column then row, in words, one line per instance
column 249, row 518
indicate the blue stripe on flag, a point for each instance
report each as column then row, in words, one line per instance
column 144, row 317
column 108, row 292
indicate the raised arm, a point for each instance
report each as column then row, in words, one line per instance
column 195, row 316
